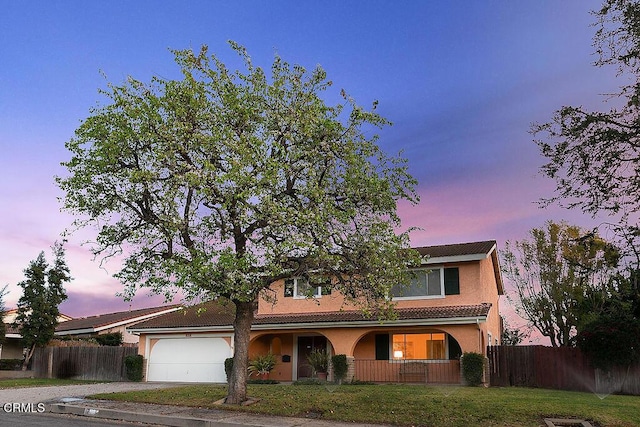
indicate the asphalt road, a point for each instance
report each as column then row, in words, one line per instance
column 19, row 406
column 51, row 420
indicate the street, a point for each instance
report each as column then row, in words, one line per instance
column 51, row 420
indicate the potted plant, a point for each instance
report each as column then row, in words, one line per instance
column 319, row 361
column 262, row 365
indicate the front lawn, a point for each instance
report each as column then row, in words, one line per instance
column 409, row 405
column 40, row 382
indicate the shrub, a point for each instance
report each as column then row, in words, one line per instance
column 228, row 367
column 262, row 364
column 113, row 339
column 10, row 364
column 133, row 365
column 340, row 366
column 609, row 341
column 319, row 360
column 473, row 368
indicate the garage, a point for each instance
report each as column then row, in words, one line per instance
column 188, row 359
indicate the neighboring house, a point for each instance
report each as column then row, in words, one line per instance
column 13, row 347
column 86, row 327
column 83, row 327
column 451, row 307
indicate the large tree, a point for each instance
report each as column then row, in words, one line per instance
column 594, row 156
column 559, row 275
column 220, row 183
column 42, row 293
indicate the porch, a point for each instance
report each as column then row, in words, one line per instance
column 407, row 371
column 383, row 356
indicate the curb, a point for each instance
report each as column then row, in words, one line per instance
column 113, row 414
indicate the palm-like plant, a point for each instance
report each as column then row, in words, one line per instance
column 262, row 364
column 319, row 360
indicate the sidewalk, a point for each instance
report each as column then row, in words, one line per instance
column 168, row 415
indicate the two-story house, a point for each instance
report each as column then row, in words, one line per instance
column 450, row 307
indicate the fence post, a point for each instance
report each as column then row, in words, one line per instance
column 486, row 373
column 49, row 362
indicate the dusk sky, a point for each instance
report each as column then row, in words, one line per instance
column 462, row 82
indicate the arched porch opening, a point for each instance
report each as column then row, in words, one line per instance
column 291, row 349
column 427, row 355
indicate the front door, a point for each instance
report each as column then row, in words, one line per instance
column 305, row 346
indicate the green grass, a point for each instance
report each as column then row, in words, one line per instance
column 39, row 382
column 407, row 405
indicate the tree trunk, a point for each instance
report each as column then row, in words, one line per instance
column 242, row 329
column 27, row 357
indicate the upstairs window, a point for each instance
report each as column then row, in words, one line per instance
column 432, row 283
column 300, row 288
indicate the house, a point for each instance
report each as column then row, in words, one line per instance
column 86, row 327
column 13, row 347
column 83, row 327
column 451, row 307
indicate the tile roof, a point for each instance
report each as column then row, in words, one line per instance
column 205, row 314
column 101, row 320
column 458, row 249
column 10, row 329
column 213, row 315
column 357, row 316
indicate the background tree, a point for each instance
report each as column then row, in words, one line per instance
column 511, row 335
column 611, row 339
column 594, row 156
column 3, row 310
column 555, row 275
column 610, row 336
column 221, row 183
column 42, row 293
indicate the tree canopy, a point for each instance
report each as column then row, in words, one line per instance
column 220, row 183
column 558, row 275
column 42, row 293
column 594, row 156
column 511, row 335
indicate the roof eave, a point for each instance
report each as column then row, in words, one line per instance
column 99, row 328
column 314, row 325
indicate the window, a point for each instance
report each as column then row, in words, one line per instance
column 433, row 283
column 424, row 283
column 300, row 288
column 419, row 346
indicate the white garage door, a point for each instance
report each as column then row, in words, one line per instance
column 188, row 360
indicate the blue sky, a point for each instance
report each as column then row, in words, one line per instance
column 462, row 81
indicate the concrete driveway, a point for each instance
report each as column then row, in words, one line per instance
column 56, row 393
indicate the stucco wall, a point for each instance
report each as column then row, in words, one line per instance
column 12, row 349
column 477, row 285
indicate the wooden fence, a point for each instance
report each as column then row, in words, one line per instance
column 561, row 368
column 83, row 363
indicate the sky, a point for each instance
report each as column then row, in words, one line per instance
column 462, row 82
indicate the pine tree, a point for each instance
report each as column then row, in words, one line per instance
column 43, row 291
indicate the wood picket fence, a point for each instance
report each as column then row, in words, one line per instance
column 560, row 368
column 83, row 363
